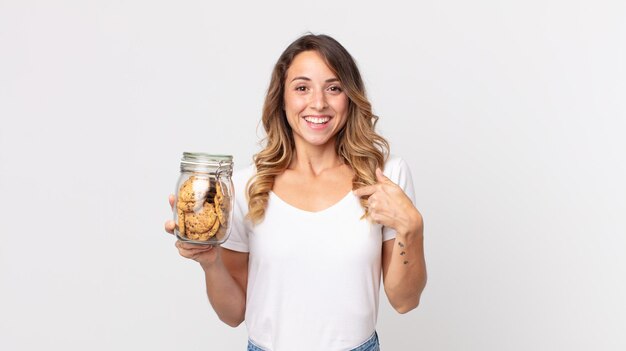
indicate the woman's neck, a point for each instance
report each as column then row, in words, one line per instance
column 314, row 160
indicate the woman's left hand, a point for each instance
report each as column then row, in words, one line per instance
column 390, row 206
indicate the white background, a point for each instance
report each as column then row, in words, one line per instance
column 511, row 115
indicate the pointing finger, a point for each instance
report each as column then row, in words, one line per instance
column 380, row 176
column 365, row 191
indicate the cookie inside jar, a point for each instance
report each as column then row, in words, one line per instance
column 203, row 204
column 203, row 209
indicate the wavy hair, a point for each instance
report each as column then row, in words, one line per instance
column 357, row 143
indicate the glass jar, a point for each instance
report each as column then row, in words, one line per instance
column 204, row 198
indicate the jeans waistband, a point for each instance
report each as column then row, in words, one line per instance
column 370, row 344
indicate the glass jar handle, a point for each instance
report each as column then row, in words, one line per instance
column 224, row 169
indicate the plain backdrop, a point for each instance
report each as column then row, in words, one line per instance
column 511, row 115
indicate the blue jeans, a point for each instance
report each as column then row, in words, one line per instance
column 370, row 345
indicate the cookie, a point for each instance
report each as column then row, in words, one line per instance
column 214, row 229
column 204, row 236
column 189, row 206
column 218, row 200
column 181, row 221
column 185, row 193
column 202, row 221
column 222, row 204
column 194, row 189
column 196, row 236
column 219, row 195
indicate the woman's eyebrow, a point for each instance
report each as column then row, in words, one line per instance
column 329, row 80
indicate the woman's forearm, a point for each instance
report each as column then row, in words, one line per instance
column 226, row 296
column 406, row 276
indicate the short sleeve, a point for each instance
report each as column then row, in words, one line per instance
column 397, row 170
column 240, row 226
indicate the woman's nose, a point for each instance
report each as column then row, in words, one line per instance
column 318, row 101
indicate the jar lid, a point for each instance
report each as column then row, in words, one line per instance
column 206, row 161
column 204, row 157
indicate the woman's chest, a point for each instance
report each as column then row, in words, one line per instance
column 336, row 235
column 313, row 194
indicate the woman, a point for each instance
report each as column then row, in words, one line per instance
column 315, row 218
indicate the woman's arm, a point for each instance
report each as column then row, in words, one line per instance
column 226, row 284
column 225, row 272
column 404, row 269
column 226, row 275
column 403, row 263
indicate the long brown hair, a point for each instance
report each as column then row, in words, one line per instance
column 357, row 142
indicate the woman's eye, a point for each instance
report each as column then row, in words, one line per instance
column 301, row 88
column 335, row 88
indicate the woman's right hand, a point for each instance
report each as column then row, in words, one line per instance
column 206, row 255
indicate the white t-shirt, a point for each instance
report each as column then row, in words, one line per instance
column 313, row 277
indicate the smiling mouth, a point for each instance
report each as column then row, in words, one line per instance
column 317, row 120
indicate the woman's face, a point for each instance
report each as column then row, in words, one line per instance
column 315, row 103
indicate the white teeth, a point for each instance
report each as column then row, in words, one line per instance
column 317, row 120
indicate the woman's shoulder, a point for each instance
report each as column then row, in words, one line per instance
column 242, row 175
column 394, row 164
column 397, row 169
column 245, row 171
